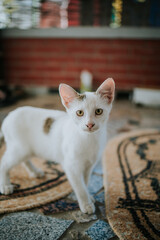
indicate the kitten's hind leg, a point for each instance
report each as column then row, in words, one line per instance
column 10, row 159
column 32, row 170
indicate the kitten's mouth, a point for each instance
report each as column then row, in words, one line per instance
column 90, row 130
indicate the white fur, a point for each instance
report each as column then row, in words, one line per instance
column 69, row 142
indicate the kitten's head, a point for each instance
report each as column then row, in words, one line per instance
column 91, row 109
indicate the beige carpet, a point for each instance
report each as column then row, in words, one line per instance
column 34, row 192
column 131, row 166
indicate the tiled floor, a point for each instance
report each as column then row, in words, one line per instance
column 62, row 219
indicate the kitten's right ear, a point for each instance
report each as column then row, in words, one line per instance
column 67, row 94
column 107, row 90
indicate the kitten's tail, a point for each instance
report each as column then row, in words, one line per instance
column 1, row 139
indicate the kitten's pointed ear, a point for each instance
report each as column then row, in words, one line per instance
column 107, row 89
column 67, row 94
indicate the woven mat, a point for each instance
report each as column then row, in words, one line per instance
column 34, row 192
column 131, row 166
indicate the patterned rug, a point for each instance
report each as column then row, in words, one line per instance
column 131, row 166
column 34, row 192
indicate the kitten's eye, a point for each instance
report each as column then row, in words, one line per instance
column 99, row 111
column 80, row 113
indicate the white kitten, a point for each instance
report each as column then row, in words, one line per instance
column 75, row 138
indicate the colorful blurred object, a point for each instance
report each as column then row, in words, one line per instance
column 86, row 79
column 116, row 18
column 25, row 14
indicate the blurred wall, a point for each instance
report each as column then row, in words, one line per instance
column 38, row 61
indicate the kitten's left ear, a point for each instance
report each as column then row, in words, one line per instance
column 107, row 89
column 67, row 94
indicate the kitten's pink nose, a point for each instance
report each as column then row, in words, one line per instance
column 90, row 125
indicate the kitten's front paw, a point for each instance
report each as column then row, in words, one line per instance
column 88, row 208
column 6, row 189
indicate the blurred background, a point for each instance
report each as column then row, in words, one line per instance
column 79, row 42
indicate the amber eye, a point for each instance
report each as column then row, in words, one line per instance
column 80, row 113
column 99, row 111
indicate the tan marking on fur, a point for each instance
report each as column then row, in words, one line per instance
column 81, row 96
column 48, row 124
